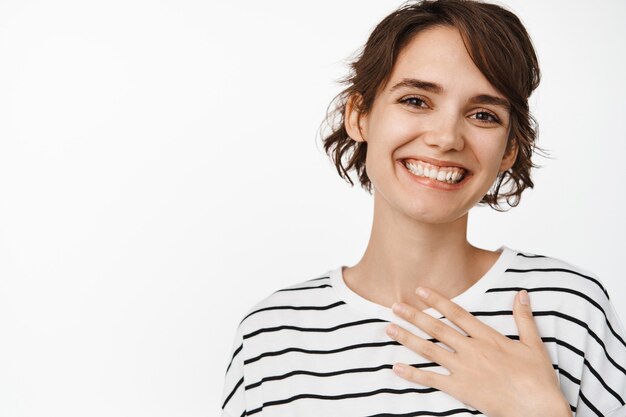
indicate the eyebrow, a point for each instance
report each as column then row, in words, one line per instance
column 438, row 89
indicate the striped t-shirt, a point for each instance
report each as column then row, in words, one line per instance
column 317, row 348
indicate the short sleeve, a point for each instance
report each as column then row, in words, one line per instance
column 603, row 380
column 233, row 395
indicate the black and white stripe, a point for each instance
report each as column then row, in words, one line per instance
column 315, row 348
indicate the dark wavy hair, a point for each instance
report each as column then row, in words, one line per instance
column 497, row 43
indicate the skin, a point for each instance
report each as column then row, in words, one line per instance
column 420, row 228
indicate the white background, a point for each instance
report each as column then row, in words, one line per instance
column 161, row 172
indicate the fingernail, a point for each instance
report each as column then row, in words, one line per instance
column 523, row 297
column 392, row 331
column 399, row 368
column 397, row 308
column 422, row 292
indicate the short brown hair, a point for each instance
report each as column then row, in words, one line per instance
column 497, row 43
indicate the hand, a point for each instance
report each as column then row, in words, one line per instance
column 499, row 376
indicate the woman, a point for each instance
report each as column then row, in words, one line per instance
column 435, row 120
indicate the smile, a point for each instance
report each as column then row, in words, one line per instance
column 451, row 175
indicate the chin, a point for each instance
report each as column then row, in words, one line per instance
column 424, row 213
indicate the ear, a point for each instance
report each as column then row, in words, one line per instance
column 353, row 117
column 509, row 157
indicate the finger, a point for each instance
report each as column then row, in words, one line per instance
column 525, row 321
column 426, row 378
column 457, row 314
column 435, row 328
column 425, row 348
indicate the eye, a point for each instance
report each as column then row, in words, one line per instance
column 412, row 101
column 487, row 117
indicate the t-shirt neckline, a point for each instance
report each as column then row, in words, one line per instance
column 373, row 309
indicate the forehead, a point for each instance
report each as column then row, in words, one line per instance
column 438, row 55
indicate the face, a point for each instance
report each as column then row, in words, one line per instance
column 437, row 112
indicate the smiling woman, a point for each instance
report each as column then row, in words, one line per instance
column 451, row 125
column 435, row 120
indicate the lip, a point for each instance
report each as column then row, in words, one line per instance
column 434, row 184
column 436, row 162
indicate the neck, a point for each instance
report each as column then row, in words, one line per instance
column 403, row 254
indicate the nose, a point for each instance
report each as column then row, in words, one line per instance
column 445, row 133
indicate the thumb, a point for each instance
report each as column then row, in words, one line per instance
column 523, row 314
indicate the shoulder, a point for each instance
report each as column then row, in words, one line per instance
column 546, row 272
column 275, row 308
column 574, row 297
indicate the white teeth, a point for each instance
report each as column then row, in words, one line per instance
column 449, row 176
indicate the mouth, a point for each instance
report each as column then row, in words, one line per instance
column 437, row 174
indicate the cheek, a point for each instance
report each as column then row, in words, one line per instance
column 394, row 127
column 489, row 150
column 380, row 161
